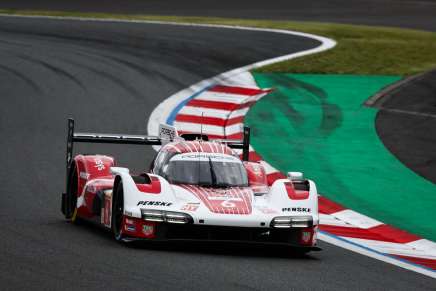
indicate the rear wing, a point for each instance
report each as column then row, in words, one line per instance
column 87, row 137
column 166, row 134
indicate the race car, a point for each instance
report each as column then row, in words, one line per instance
column 195, row 189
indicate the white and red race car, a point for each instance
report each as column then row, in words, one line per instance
column 195, row 189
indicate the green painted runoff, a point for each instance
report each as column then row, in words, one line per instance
column 318, row 124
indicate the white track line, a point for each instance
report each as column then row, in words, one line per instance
column 161, row 113
column 355, row 247
column 415, row 113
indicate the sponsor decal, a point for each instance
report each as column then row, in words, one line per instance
column 99, row 164
column 225, row 198
column 207, row 156
column 130, row 228
column 148, row 229
column 106, row 211
column 266, row 210
column 84, row 175
column 306, row 237
column 154, row 203
column 190, row 206
column 296, row 209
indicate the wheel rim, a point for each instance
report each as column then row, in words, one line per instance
column 74, row 215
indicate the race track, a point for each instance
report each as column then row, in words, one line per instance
column 109, row 77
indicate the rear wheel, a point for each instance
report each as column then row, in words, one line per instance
column 71, row 195
column 118, row 211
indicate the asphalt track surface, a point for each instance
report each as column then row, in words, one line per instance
column 109, row 77
column 419, row 14
column 406, row 123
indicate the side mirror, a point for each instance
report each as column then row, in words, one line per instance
column 256, row 177
column 295, row 176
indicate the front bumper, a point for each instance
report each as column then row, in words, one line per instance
column 227, row 234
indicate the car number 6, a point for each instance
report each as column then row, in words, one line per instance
column 228, row 204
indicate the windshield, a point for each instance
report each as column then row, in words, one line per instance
column 206, row 170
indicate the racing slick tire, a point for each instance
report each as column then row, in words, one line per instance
column 71, row 195
column 117, row 211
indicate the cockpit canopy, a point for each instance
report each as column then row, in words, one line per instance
column 205, row 169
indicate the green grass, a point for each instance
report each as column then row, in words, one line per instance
column 362, row 50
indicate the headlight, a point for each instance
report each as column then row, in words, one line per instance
column 152, row 215
column 292, row 221
column 166, row 216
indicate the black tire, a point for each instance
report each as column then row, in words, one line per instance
column 302, row 252
column 71, row 196
column 117, row 211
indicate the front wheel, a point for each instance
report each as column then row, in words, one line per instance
column 118, row 212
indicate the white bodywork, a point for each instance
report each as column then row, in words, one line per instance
column 175, row 198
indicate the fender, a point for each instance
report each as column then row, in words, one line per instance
column 85, row 170
column 278, row 196
column 90, row 167
column 134, row 199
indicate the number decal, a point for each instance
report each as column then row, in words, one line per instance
column 228, row 204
